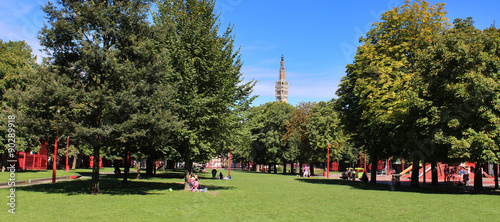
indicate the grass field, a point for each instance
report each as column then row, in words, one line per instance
column 247, row 197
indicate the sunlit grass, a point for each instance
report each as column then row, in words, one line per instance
column 247, row 197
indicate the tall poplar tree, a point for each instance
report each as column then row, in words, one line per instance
column 210, row 88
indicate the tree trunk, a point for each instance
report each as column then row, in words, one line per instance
column 139, row 169
column 434, row 173
column 423, row 172
column 478, row 179
column 414, row 174
column 94, row 187
column 284, row 168
column 374, row 160
column 149, row 166
column 4, row 161
column 311, row 168
column 126, row 168
column 292, row 168
column 188, row 165
column 73, row 164
column 275, row 169
column 187, row 177
column 495, row 174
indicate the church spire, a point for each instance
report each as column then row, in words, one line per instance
column 282, row 85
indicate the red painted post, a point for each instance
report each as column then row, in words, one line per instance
column 67, row 150
column 328, row 159
column 229, row 162
column 54, row 163
column 365, row 163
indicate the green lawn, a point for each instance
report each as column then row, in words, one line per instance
column 248, row 197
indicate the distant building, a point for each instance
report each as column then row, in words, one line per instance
column 282, row 85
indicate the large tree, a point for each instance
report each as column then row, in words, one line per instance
column 16, row 62
column 210, row 87
column 325, row 126
column 88, row 43
column 268, row 132
column 373, row 96
column 297, row 128
column 458, row 90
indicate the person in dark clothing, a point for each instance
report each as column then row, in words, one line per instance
column 364, row 178
column 214, row 173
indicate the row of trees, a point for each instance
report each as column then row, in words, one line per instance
column 424, row 90
column 118, row 84
column 280, row 133
column 420, row 88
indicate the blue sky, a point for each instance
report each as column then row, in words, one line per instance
column 317, row 38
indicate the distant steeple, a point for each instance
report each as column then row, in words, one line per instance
column 282, row 68
column 282, row 85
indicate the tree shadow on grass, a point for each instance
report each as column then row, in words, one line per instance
column 428, row 189
column 111, row 184
column 352, row 184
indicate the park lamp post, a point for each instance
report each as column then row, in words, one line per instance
column 67, row 151
column 229, row 173
column 328, row 159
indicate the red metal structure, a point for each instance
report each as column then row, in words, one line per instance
column 33, row 161
column 91, row 158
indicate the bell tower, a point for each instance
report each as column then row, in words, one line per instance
column 282, row 85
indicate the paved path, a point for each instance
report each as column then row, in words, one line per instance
column 48, row 180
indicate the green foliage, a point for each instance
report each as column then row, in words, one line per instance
column 16, row 62
column 297, row 128
column 268, row 133
column 325, row 126
column 210, row 89
column 458, row 92
column 92, row 46
column 374, row 95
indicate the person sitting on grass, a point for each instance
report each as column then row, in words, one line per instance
column 195, row 185
column 221, row 176
column 214, row 173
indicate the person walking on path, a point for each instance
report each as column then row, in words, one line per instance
column 306, row 171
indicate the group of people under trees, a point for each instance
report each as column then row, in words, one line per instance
column 193, row 182
column 450, row 174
